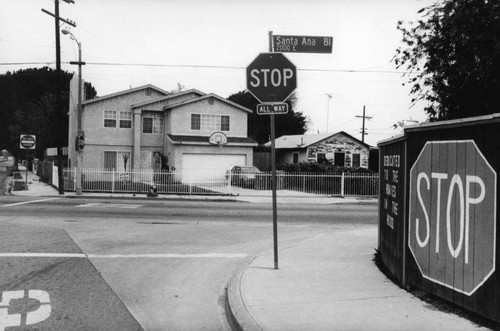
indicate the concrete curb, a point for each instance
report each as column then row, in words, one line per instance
column 237, row 310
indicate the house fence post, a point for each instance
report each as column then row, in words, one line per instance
column 229, row 182
column 190, row 185
column 342, row 185
column 113, row 181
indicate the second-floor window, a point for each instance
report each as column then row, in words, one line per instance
column 125, row 119
column 210, row 122
column 110, row 118
column 152, row 124
column 114, row 118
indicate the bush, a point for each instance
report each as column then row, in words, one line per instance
column 320, row 168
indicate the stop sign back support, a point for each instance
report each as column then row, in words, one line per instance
column 452, row 215
column 271, row 77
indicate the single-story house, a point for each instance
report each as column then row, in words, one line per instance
column 149, row 128
column 339, row 148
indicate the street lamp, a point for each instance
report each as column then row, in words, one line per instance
column 330, row 96
column 80, row 134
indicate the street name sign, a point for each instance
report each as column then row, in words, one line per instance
column 272, row 108
column 271, row 78
column 452, row 215
column 27, row 141
column 302, row 44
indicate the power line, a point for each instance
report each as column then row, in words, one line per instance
column 206, row 67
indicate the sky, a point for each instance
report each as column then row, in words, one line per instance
column 207, row 45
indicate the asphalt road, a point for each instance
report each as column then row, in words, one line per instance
column 115, row 264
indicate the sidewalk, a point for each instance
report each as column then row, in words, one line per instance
column 38, row 188
column 330, row 283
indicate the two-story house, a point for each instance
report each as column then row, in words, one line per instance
column 149, row 128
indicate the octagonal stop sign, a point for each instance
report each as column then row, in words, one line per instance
column 452, row 215
column 271, row 77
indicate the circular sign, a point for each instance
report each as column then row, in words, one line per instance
column 271, row 77
column 218, row 138
column 27, row 141
column 452, row 215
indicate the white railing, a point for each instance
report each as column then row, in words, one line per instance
column 339, row 184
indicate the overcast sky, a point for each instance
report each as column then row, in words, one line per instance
column 208, row 44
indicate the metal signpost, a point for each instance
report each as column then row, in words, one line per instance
column 272, row 78
column 27, row 142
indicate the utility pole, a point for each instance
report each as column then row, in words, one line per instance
column 330, row 96
column 363, row 130
column 80, row 138
column 58, row 87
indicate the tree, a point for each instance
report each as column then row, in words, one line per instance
column 259, row 126
column 452, row 56
column 27, row 106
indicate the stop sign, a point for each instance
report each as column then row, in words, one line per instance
column 271, row 77
column 452, row 215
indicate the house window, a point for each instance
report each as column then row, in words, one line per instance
column 295, row 157
column 224, row 123
column 209, row 122
column 195, row 122
column 152, row 124
column 356, row 160
column 117, row 160
column 321, row 157
column 339, row 159
column 110, row 118
column 125, row 119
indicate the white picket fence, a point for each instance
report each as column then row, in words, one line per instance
column 343, row 184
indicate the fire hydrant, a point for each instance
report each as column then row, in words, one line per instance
column 152, row 192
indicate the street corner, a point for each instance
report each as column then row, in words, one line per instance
column 47, row 282
column 238, row 315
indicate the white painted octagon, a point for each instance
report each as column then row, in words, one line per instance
column 452, row 215
column 209, row 167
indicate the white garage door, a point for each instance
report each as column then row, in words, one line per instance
column 209, row 167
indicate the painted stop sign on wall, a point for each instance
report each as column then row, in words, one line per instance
column 452, row 215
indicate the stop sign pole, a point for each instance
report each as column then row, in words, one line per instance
column 271, row 79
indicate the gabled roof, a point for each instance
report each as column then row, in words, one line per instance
column 207, row 96
column 306, row 140
column 165, row 98
column 132, row 90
